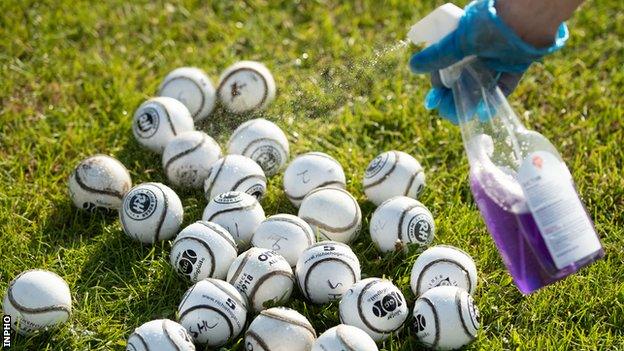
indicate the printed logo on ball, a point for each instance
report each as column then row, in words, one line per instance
column 419, row 229
column 388, row 304
column 474, row 312
column 186, row 262
column 147, row 123
column 268, row 157
column 376, row 165
column 228, row 198
column 141, row 204
column 441, row 280
column 420, row 323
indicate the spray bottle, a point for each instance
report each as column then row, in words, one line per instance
column 522, row 187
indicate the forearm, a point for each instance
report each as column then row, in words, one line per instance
column 536, row 21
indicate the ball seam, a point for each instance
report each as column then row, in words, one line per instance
column 253, row 335
column 436, row 319
column 263, row 279
column 167, row 335
column 161, row 220
column 212, row 308
column 141, row 339
column 430, row 264
column 18, row 306
column 215, row 229
column 207, row 247
column 264, row 82
column 335, row 259
column 459, row 312
column 307, row 231
column 321, row 185
column 167, row 116
column 201, row 92
column 245, row 178
column 182, row 154
column 240, row 267
column 208, row 191
column 270, row 314
column 385, row 176
column 85, row 187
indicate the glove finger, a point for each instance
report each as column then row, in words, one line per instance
column 437, row 56
column 433, row 98
column 446, row 108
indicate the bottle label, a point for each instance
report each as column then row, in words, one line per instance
column 557, row 209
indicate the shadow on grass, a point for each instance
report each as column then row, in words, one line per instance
column 67, row 226
column 131, row 279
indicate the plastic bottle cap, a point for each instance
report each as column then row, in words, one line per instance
column 436, row 25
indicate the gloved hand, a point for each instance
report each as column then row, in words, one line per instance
column 483, row 33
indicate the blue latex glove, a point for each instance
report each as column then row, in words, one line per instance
column 482, row 33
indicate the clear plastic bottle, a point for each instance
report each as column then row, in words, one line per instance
column 522, row 187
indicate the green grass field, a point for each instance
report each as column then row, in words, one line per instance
column 72, row 75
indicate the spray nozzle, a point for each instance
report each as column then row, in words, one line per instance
column 436, row 25
column 433, row 28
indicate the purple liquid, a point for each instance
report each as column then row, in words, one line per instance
column 521, row 244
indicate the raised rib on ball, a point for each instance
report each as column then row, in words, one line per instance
column 217, row 283
column 255, row 141
column 161, row 220
column 411, row 181
column 208, row 307
column 207, row 247
column 361, row 312
column 208, row 191
column 402, row 219
column 240, row 267
column 182, row 154
column 271, row 314
column 85, row 187
column 167, row 335
column 446, row 260
column 242, row 180
column 322, row 185
column 307, row 275
column 436, row 340
column 141, row 340
column 234, row 209
column 253, row 335
column 320, row 154
column 461, row 315
column 201, row 92
column 186, row 295
column 330, row 229
column 264, row 278
column 22, row 308
column 167, row 116
column 340, row 333
column 385, row 176
column 217, row 230
column 309, row 235
column 240, row 129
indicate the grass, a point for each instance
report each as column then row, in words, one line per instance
column 73, row 73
